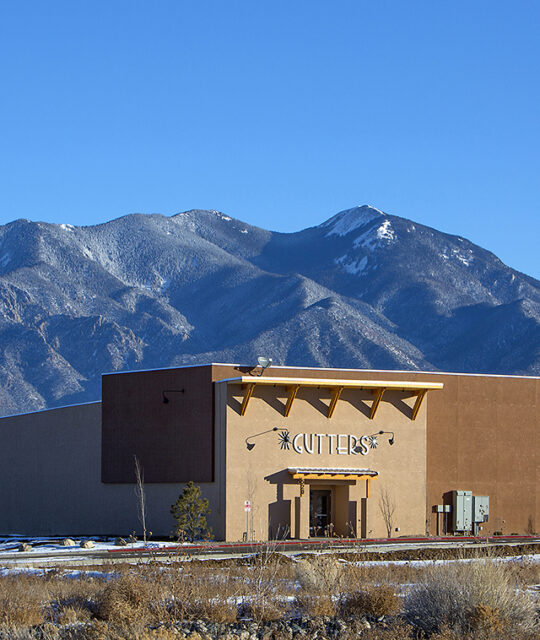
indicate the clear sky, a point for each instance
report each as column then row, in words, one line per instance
column 278, row 113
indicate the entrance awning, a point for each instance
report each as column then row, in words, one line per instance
column 324, row 473
column 378, row 387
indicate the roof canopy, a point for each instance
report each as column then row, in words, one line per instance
column 336, row 386
column 321, row 473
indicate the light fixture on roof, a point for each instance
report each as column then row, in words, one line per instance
column 264, row 363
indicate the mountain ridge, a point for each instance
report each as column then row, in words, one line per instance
column 363, row 289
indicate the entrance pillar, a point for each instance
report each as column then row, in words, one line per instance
column 364, row 531
column 342, row 527
column 301, row 516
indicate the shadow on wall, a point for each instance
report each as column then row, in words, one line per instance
column 360, row 400
column 279, row 511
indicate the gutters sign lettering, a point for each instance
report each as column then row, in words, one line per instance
column 328, row 443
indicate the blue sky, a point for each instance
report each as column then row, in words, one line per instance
column 278, row 113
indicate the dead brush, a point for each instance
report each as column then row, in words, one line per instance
column 22, row 600
column 321, row 582
column 375, row 601
column 263, row 585
column 468, row 598
column 127, row 598
column 72, row 599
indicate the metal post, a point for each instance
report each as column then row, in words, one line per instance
column 247, row 525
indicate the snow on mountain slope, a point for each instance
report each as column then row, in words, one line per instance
column 363, row 289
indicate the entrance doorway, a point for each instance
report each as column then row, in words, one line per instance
column 320, row 513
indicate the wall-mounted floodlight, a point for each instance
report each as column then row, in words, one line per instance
column 165, row 399
column 250, row 445
column 391, row 440
column 264, row 363
column 372, row 441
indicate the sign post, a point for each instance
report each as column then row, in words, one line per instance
column 247, row 509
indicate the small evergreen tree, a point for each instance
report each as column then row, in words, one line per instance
column 190, row 511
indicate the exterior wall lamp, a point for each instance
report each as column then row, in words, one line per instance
column 165, row 399
column 263, row 363
column 250, row 445
column 372, row 441
column 391, row 439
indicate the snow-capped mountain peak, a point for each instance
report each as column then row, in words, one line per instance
column 147, row 291
column 347, row 221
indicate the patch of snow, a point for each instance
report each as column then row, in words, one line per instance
column 464, row 259
column 67, row 227
column 354, row 267
column 243, row 230
column 532, row 558
column 221, row 215
column 44, row 545
column 349, row 220
column 6, row 258
column 385, row 231
column 373, row 238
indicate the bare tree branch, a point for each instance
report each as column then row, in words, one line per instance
column 139, row 492
column 387, row 507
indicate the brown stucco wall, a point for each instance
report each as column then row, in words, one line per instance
column 50, row 480
column 174, row 441
column 260, row 474
column 482, row 435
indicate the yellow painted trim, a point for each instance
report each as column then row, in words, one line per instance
column 404, row 385
column 418, row 404
column 292, row 395
column 376, row 403
column 249, row 392
column 335, row 397
column 330, row 476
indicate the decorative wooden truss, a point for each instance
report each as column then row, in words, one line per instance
column 336, row 387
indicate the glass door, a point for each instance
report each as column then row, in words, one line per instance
column 320, row 512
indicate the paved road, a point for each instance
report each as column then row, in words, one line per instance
column 96, row 557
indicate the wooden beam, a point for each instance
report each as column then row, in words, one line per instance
column 399, row 385
column 376, row 403
column 329, row 476
column 336, row 393
column 292, row 395
column 418, row 404
column 247, row 397
column 367, row 487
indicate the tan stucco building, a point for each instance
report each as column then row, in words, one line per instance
column 315, row 452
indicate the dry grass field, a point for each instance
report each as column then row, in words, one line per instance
column 273, row 597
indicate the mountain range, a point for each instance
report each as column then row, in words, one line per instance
column 363, row 290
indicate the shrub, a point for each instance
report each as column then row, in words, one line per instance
column 375, row 601
column 125, row 599
column 320, row 580
column 319, row 575
column 466, row 598
column 21, row 600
